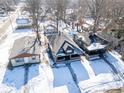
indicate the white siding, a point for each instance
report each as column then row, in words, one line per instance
column 34, row 59
column 14, row 63
column 26, row 60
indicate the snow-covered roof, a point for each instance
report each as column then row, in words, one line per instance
column 22, row 46
column 84, row 37
column 95, row 46
column 56, row 42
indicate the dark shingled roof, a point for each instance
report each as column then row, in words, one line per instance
column 85, row 38
column 56, row 42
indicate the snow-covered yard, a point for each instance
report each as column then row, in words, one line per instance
column 80, row 71
column 104, row 79
column 17, row 80
column 14, row 78
column 100, row 67
column 41, row 77
column 63, row 78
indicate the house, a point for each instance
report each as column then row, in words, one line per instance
column 22, row 54
column 92, row 44
column 63, row 48
column 23, row 23
column 50, row 30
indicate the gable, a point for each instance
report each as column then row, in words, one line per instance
column 62, row 41
column 67, row 48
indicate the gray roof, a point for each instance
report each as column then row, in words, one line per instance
column 22, row 45
column 56, row 42
column 84, row 37
column 105, row 36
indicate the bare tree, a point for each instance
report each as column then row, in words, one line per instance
column 35, row 10
column 83, row 8
column 95, row 8
column 59, row 7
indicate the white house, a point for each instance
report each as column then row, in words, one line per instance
column 22, row 54
column 50, row 30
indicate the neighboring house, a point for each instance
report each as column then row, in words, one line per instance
column 22, row 54
column 50, row 30
column 63, row 48
column 23, row 23
column 92, row 44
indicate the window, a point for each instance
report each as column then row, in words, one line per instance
column 74, row 56
column 61, row 58
column 33, row 58
column 69, row 51
column 19, row 60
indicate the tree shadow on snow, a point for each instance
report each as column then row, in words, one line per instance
column 20, row 76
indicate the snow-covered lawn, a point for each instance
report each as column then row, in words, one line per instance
column 14, row 78
column 105, row 78
column 13, row 81
column 37, row 80
column 101, row 82
column 42, row 78
column 100, row 66
column 116, row 60
column 63, row 79
column 80, row 71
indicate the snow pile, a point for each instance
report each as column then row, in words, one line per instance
column 101, row 82
column 116, row 61
column 62, row 89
